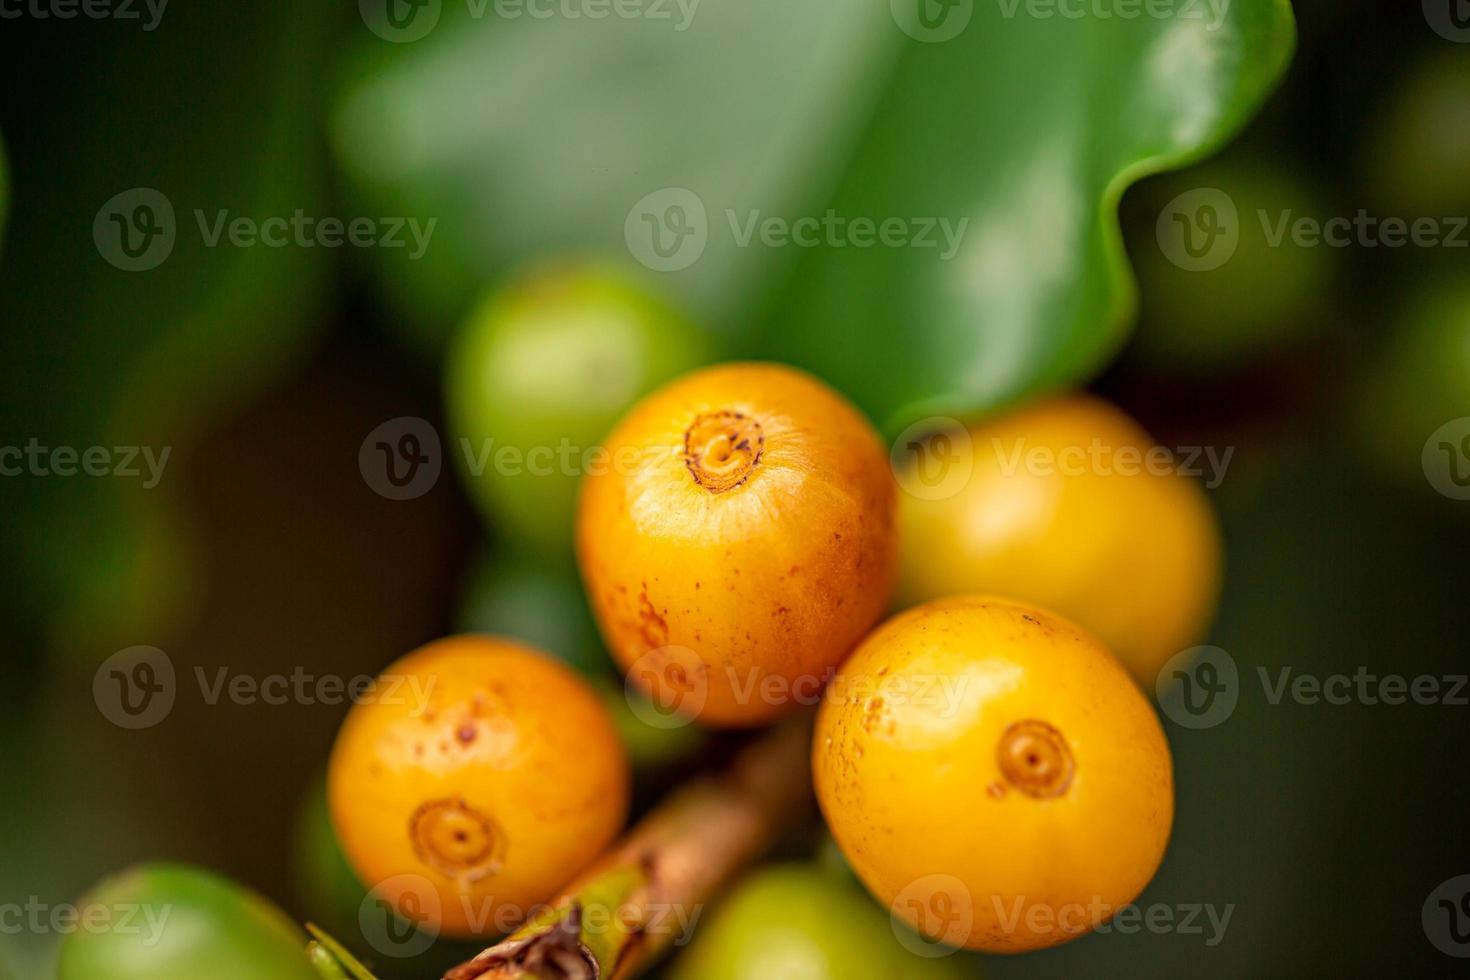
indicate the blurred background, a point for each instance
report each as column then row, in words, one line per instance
column 491, row 155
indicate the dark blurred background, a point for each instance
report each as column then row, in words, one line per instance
column 264, row 550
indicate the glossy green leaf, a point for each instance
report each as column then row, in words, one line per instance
column 1021, row 132
column 1029, row 128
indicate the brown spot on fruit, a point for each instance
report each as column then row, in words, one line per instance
column 652, row 627
column 722, row 448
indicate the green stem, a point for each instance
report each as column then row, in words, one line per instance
column 331, row 958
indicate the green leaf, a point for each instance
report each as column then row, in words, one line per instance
column 1030, row 128
column 533, row 136
column 326, row 954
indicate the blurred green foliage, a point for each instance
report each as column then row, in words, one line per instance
column 538, row 602
column 1417, row 154
column 764, row 109
column 4, row 193
column 534, row 140
column 99, row 356
column 1416, row 380
column 1272, row 294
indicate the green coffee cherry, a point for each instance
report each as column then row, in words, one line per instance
column 538, row 376
column 1419, row 383
column 172, row 922
column 804, row 923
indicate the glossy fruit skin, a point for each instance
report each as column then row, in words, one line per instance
column 550, row 361
column 914, row 787
column 207, row 926
column 747, row 539
column 496, row 788
column 1133, row 556
column 798, row 922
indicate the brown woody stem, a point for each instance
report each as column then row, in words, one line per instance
column 650, row 889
